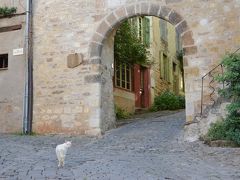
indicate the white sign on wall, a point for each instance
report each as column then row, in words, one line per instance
column 17, row 52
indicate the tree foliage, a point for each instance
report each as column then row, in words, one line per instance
column 128, row 48
column 231, row 77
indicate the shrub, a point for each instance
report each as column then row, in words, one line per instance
column 234, row 135
column 121, row 113
column 181, row 102
column 168, row 101
column 217, row 131
column 229, row 129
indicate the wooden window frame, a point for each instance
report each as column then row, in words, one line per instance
column 120, row 81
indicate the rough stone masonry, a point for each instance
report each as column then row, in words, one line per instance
column 79, row 100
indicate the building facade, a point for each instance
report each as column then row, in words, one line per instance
column 140, row 84
column 78, row 98
column 12, row 68
column 166, row 72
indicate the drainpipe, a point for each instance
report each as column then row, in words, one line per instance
column 28, row 93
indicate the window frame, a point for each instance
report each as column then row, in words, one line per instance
column 163, row 30
column 123, row 80
column 4, row 61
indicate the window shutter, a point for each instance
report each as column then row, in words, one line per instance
column 146, row 27
column 163, row 29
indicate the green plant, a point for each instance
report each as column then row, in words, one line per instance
column 229, row 128
column 181, row 100
column 217, row 131
column 168, row 101
column 121, row 113
column 6, row 11
column 128, row 48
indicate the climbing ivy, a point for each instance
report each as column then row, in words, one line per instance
column 128, row 48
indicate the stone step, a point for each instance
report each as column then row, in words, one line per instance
column 141, row 110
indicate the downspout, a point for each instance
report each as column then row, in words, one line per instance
column 28, row 94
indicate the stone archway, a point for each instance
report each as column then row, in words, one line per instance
column 100, row 46
column 114, row 19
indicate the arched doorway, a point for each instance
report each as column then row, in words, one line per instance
column 101, row 47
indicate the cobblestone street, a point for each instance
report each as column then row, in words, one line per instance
column 150, row 147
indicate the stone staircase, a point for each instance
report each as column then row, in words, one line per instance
column 213, row 109
column 201, row 123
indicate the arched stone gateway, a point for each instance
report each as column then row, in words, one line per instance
column 77, row 98
column 101, row 47
column 114, row 19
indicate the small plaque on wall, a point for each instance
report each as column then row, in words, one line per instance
column 17, row 52
column 74, row 60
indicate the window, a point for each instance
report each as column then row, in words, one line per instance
column 163, row 30
column 123, row 76
column 166, row 67
column 174, row 67
column 140, row 28
column 181, row 82
column 3, row 61
column 134, row 23
column 161, row 65
column 144, row 30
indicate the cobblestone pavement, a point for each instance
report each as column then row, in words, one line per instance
column 150, row 147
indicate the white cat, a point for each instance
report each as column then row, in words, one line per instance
column 61, row 151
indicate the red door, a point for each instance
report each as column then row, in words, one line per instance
column 142, row 86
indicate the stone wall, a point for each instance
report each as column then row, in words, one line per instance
column 78, row 100
column 124, row 99
column 160, row 47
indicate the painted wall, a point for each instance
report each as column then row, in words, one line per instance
column 12, row 79
column 168, row 48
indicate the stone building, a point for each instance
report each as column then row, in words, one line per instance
column 80, row 100
column 139, row 86
column 166, row 71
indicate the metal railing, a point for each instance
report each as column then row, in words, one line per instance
column 211, row 85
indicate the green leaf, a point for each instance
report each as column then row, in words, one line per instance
column 128, row 48
column 6, row 11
